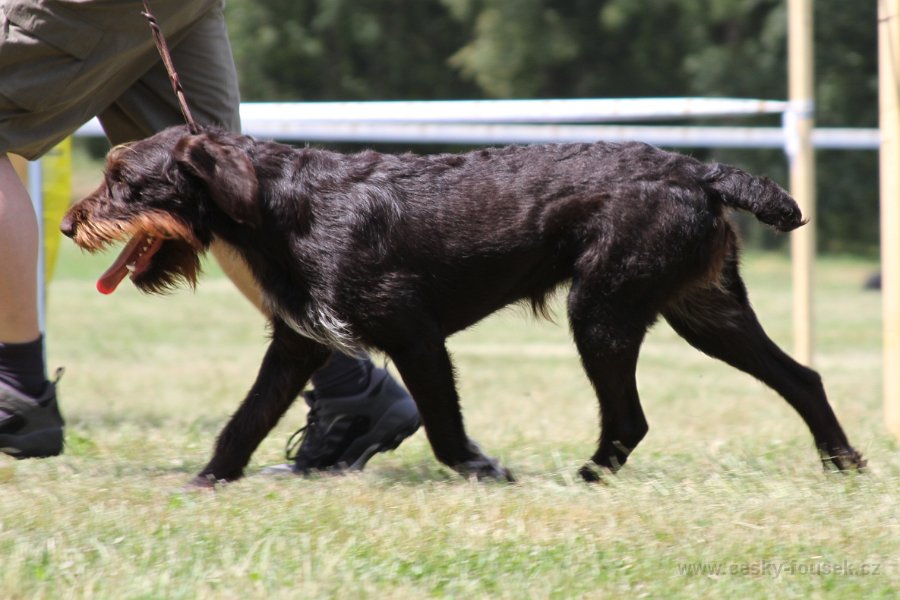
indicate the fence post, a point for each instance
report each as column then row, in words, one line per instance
column 799, row 148
column 889, row 122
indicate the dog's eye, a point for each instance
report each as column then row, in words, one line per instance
column 118, row 190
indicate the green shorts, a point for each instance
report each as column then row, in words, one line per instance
column 63, row 62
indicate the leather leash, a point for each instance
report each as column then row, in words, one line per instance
column 170, row 68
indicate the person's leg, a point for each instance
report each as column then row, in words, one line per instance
column 30, row 423
column 51, row 84
column 19, row 249
column 343, row 375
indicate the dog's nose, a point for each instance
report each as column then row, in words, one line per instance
column 68, row 225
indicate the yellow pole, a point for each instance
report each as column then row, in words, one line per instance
column 57, row 188
column 889, row 111
column 798, row 129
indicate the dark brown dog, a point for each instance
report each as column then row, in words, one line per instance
column 397, row 253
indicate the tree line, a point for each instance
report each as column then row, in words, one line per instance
column 297, row 50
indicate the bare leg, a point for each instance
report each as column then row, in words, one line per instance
column 18, row 268
column 31, row 425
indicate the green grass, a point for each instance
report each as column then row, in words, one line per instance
column 727, row 477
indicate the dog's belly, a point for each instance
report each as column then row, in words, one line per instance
column 482, row 289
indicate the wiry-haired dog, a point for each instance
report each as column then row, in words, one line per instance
column 397, row 253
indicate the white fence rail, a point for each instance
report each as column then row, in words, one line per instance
column 530, row 121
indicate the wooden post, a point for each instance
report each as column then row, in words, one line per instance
column 798, row 129
column 889, row 122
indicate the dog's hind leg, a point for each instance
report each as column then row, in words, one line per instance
column 608, row 332
column 427, row 371
column 718, row 320
column 288, row 364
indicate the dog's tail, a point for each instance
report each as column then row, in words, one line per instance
column 758, row 195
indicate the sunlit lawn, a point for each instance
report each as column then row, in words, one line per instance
column 726, row 479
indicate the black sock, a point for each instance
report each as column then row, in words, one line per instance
column 342, row 375
column 22, row 366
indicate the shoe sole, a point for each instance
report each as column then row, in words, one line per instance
column 396, row 424
column 41, row 443
column 400, row 421
column 381, row 446
column 359, row 464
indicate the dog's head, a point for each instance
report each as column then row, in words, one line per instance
column 165, row 196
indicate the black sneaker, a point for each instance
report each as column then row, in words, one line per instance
column 30, row 427
column 343, row 433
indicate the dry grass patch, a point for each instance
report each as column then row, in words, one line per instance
column 724, row 497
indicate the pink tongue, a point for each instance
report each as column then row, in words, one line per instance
column 108, row 283
column 113, row 276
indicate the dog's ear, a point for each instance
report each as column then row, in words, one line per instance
column 227, row 172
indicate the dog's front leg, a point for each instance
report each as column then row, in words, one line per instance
column 428, row 374
column 288, row 364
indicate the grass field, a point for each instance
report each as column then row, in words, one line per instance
column 724, row 497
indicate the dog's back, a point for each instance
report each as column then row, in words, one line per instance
column 473, row 232
column 501, row 199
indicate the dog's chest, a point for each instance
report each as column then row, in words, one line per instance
column 315, row 320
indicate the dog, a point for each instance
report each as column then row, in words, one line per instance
column 397, row 252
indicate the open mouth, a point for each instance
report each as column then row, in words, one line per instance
column 134, row 259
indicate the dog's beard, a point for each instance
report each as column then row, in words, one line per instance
column 162, row 250
column 154, row 264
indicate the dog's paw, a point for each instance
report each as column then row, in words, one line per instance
column 484, row 468
column 842, row 459
column 202, row 483
column 591, row 472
